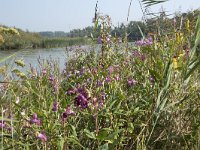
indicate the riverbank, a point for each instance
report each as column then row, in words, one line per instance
column 31, row 40
column 43, row 43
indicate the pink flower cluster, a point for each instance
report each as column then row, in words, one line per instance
column 144, row 42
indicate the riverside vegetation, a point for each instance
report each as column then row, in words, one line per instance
column 27, row 39
column 145, row 96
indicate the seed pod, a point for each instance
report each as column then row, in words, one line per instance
column 20, row 63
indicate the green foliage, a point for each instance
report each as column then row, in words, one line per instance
column 34, row 40
column 63, row 42
column 7, row 31
column 85, row 32
column 142, row 96
column 148, row 3
column 22, row 40
column 132, row 30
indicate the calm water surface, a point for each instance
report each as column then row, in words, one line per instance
column 31, row 56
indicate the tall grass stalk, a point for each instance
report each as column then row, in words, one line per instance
column 2, row 133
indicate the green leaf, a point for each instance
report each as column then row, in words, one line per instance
column 130, row 127
column 75, row 141
column 115, row 134
column 89, row 134
column 73, row 130
column 141, row 31
column 155, row 74
column 104, row 147
column 61, row 143
column 191, row 69
column 152, row 2
column 103, row 134
column 4, row 59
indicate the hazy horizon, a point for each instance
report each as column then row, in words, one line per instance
column 46, row 15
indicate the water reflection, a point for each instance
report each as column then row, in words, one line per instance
column 31, row 56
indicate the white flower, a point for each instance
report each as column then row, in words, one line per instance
column 17, row 100
column 23, row 113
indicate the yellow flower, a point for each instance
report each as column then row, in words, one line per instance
column 2, row 29
column 9, row 30
column 175, row 63
column 179, row 37
column 188, row 25
column 181, row 55
column 13, row 31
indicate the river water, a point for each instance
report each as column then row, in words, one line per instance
column 31, row 56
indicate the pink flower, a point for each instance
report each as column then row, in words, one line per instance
column 44, row 71
column 131, row 82
column 55, row 106
column 117, row 78
column 111, row 69
column 108, row 79
column 51, row 78
column 144, row 42
column 68, row 112
column 94, row 70
column 71, row 91
column 42, row 136
column 35, row 119
column 152, row 79
column 2, row 125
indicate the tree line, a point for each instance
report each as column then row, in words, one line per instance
column 134, row 31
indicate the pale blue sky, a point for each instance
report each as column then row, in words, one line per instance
column 63, row 15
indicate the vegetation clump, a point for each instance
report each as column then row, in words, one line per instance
column 142, row 96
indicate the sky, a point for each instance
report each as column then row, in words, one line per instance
column 65, row 15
